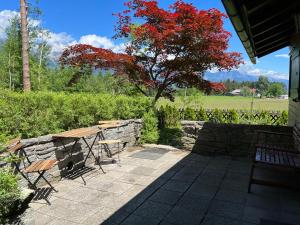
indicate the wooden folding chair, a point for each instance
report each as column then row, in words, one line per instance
column 15, row 149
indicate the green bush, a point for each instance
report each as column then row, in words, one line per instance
column 190, row 114
column 217, row 116
column 233, row 116
column 283, row 119
column 264, row 117
column 39, row 113
column 149, row 131
column 170, row 116
column 171, row 136
column 9, row 194
column 202, row 115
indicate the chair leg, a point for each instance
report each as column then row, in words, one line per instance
column 250, row 179
column 30, row 184
column 119, row 153
column 100, row 167
column 48, row 183
column 33, row 184
column 99, row 163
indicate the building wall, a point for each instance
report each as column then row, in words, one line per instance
column 294, row 103
column 294, row 112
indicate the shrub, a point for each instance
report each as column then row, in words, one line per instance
column 170, row 116
column 39, row 113
column 190, row 114
column 149, row 131
column 264, row 117
column 9, row 194
column 217, row 116
column 202, row 115
column 233, row 116
column 171, row 136
column 283, row 119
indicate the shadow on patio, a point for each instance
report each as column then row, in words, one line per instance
column 160, row 186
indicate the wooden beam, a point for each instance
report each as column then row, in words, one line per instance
column 264, row 38
column 263, row 30
column 259, row 6
column 277, row 12
column 276, row 16
column 272, row 49
column 271, row 43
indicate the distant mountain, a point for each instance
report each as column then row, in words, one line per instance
column 237, row 76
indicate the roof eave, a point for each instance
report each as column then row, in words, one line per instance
column 239, row 28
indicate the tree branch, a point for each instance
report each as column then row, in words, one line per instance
column 141, row 90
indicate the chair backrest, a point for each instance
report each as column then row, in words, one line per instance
column 16, row 148
column 296, row 136
column 14, row 145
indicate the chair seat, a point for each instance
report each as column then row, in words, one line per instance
column 41, row 165
column 117, row 141
column 277, row 157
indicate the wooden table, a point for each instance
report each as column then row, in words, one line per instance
column 78, row 134
column 109, row 121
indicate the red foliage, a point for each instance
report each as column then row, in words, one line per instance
column 170, row 48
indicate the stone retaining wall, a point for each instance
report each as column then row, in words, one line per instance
column 46, row 147
column 199, row 137
column 228, row 139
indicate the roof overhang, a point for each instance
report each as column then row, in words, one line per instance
column 263, row 26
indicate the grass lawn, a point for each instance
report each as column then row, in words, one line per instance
column 228, row 102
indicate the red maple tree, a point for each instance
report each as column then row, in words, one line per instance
column 169, row 49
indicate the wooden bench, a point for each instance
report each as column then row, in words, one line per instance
column 15, row 148
column 275, row 155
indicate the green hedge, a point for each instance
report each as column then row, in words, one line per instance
column 170, row 115
column 39, row 113
column 150, row 132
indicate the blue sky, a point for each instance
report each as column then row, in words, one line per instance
column 91, row 21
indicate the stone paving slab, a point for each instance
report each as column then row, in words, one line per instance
column 178, row 188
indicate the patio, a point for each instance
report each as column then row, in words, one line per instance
column 160, row 186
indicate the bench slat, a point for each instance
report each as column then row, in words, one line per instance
column 277, row 157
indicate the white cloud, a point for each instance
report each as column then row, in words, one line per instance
column 250, row 69
column 283, row 56
column 253, row 70
column 101, row 42
column 5, row 17
column 59, row 41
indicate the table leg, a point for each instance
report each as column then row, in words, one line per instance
column 69, row 151
column 91, row 151
column 72, row 147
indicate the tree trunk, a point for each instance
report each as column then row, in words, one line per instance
column 25, row 46
column 9, row 70
column 40, row 65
